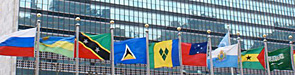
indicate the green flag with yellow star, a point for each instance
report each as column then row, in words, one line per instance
column 254, row 58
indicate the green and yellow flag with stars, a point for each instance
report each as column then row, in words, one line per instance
column 254, row 58
column 164, row 54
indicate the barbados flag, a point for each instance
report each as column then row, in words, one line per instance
column 164, row 54
column 20, row 43
column 130, row 51
column 58, row 45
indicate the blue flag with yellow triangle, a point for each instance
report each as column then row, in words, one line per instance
column 131, row 51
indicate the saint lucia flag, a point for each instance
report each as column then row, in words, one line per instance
column 164, row 54
column 130, row 51
column 225, row 56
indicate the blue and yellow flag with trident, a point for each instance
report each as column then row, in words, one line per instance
column 58, row 45
column 164, row 54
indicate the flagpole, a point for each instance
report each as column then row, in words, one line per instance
column 292, row 57
column 37, row 62
column 228, row 31
column 180, row 51
column 240, row 55
column 266, row 54
column 207, row 51
column 112, row 47
column 210, row 53
column 77, row 46
column 147, row 50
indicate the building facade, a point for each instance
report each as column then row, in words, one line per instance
column 252, row 18
column 8, row 24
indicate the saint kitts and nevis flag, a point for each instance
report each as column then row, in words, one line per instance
column 164, row 54
column 94, row 46
column 254, row 58
column 20, row 43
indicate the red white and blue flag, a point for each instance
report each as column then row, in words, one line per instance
column 194, row 54
column 20, row 43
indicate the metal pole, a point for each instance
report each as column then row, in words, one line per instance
column 112, row 48
column 210, row 53
column 77, row 47
column 37, row 62
column 147, row 50
column 229, row 43
column 291, row 50
column 180, row 51
column 239, row 52
column 266, row 54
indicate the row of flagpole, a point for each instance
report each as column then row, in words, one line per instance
column 37, row 61
column 147, row 51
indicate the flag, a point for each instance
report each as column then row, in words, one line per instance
column 194, row 54
column 164, row 54
column 225, row 40
column 58, row 45
column 130, row 51
column 261, row 58
column 251, row 59
column 20, row 43
column 280, row 59
column 95, row 46
column 225, row 56
column 293, row 56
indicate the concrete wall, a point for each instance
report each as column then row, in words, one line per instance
column 8, row 24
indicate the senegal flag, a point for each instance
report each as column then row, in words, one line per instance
column 253, row 59
column 164, row 54
column 94, row 46
column 58, row 45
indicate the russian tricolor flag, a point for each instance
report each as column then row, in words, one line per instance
column 20, row 43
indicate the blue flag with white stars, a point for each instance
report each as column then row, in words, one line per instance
column 197, row 48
